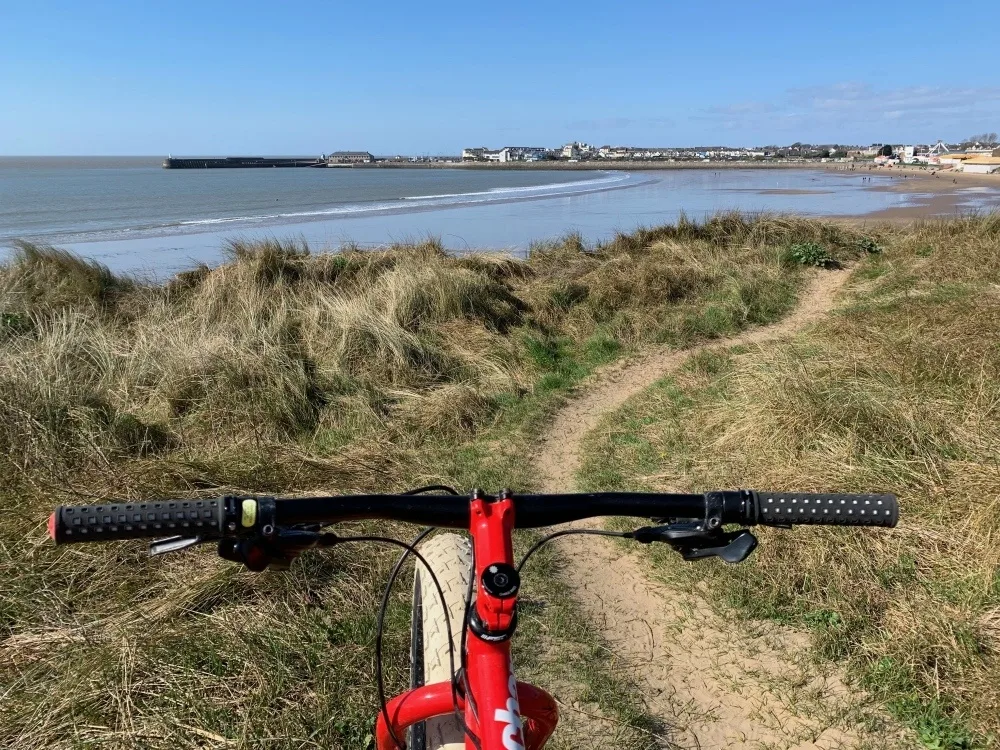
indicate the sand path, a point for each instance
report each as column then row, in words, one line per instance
column 713, row 685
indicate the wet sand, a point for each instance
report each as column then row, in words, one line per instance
column 934, row 194
column 778, row 191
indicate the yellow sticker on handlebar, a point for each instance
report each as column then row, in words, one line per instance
column 249, row 513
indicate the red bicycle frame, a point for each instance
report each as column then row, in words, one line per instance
column 501, row 712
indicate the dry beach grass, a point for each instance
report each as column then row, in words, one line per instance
column 285, row 371
column 897, row 390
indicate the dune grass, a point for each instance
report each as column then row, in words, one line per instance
column 897, row 391
column 286, row 371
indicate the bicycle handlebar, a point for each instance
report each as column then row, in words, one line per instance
column 238, row 516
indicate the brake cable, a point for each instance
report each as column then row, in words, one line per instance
column 567, row 532
column 463, row 655
column 408, row 549
column 380, row 631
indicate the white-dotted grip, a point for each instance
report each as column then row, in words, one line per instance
column 833, row 510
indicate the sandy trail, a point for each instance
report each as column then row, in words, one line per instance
column 713, row 686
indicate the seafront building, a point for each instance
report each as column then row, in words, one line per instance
column 978, row 163
column 350, row 157
column 505, row 154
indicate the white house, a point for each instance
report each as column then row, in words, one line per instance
column 981, row 165
column 505, row 154
column 613, row 152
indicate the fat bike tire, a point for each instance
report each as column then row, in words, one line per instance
column 450, row 557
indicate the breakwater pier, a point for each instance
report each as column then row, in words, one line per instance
column 240, row 162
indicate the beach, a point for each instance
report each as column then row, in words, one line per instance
column 932, row 192
column 136, row 217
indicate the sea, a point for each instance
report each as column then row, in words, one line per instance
column 134, row 216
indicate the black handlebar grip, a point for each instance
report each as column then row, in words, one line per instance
column 110, row 521
column 776, row 508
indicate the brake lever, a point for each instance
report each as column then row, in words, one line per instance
column 276, row 551
column 694, row 543
column 736, row 549
column 173, row 544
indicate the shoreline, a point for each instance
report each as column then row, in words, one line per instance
column 516, row 222
column 942, row 186
column 939, row 194
column 593, row 166
column 277, row 222
column 717, row 166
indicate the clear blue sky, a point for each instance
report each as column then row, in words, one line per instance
column 430, row 77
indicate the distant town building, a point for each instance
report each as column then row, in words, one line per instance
column 524, row 153
column 979, row 148
column 919, row 154
column 980, row 164
column 952, row 160
column 350, row 157
column 505, row 154
column 797, row 152
column 613, row 152
column 578, row 150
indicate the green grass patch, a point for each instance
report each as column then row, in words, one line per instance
column 809, row 254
